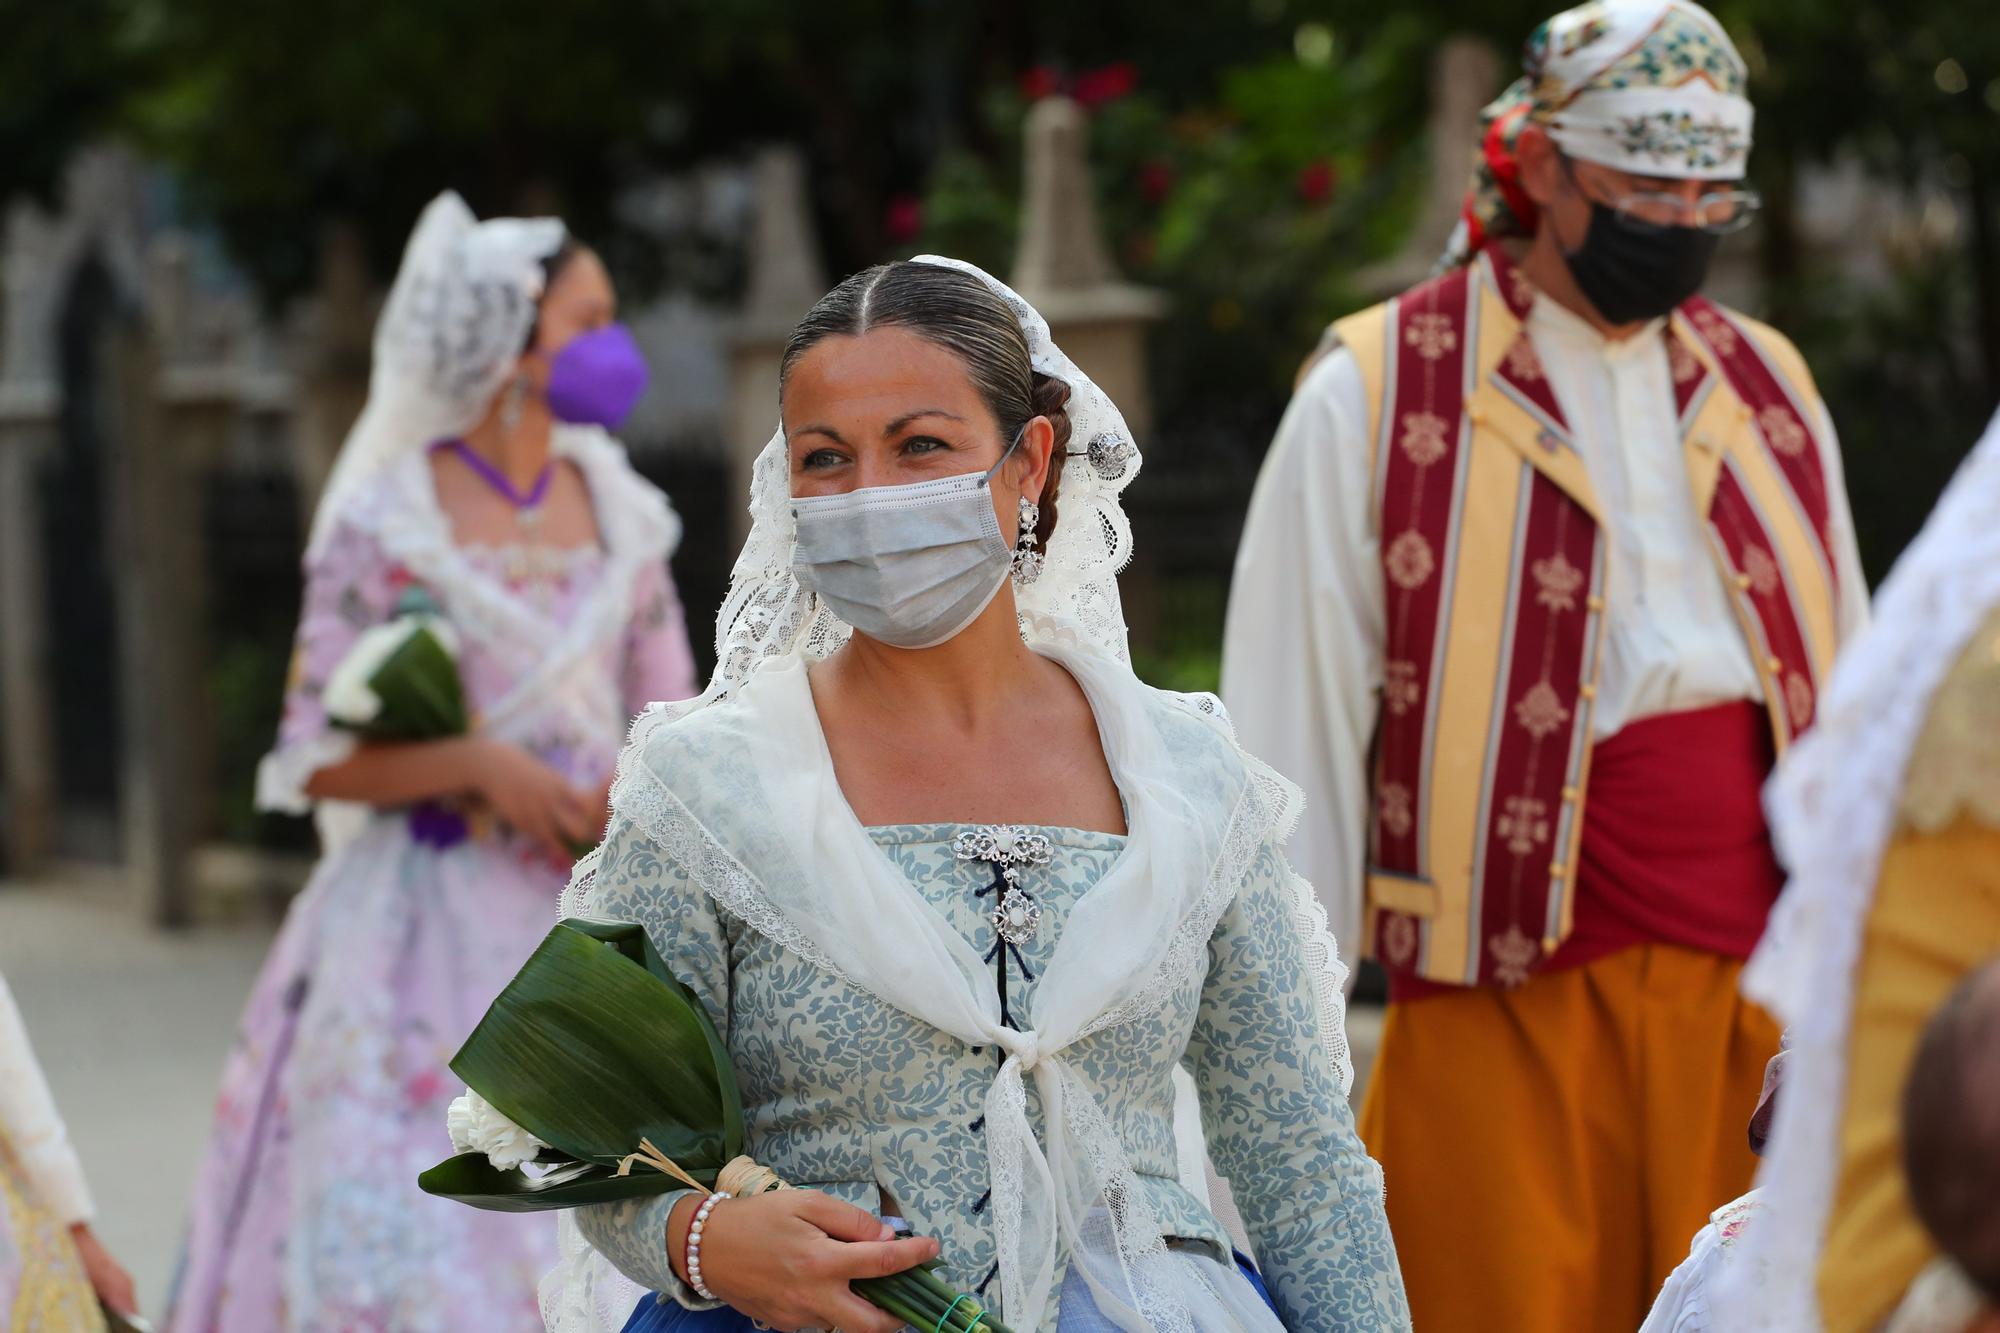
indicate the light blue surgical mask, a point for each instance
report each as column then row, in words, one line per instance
column 910, row 566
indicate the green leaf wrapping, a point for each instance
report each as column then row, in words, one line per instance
column 422, row 696
column 593, row 1046
column 469, row 1178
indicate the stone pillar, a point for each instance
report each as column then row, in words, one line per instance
column 200, row 390
column 1065, row 271
column 786, row 278
column 164, row 428
column 1465, row 76
column 27, row 751
column 332, row 355
column 28, row 413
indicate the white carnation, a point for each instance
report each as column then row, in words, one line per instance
column 476, row 1127
column 458, row 1121
column 349, row 697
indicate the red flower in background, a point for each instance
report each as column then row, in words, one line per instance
column 904, row 218
column 1156, row 181
column 1096, row 87
column 1316, row 181
column 1039, row 82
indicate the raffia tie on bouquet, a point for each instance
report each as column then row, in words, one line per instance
column 740, row 1178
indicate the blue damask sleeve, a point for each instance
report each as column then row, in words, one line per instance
column 636, row 881
column 1279, row 1128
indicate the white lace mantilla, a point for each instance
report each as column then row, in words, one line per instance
column 453, row 325
column 1832, row 808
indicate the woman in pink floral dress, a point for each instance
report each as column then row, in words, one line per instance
column 480, row 476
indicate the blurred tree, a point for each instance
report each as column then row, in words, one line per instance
column 65, row 70
column 1253, row 208
column 284, row 116
column 1252, row 155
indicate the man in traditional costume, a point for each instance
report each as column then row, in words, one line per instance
column 1546, row 566
column 1889, row 822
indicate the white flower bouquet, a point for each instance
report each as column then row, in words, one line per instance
column 596, row 1060
column 400, row 681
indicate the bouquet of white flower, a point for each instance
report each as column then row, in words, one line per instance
column 400, row 681
column 600, row 1069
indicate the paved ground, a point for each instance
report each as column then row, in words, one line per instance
column 132, row 1025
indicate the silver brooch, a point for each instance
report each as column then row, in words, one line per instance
column 1008, row 846
column 1016, row 917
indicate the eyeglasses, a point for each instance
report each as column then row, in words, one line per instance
column 1718, row 213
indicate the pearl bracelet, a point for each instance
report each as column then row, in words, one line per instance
column 694, row 1243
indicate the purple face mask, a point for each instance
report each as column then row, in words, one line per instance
column 597, row 378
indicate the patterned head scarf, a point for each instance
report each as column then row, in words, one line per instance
column 1653, row 87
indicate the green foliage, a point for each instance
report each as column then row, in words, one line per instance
column 1252, row 211
column 1265, row 153
column 593, row 1047
column 1183, row 651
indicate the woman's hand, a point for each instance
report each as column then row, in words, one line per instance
column 786, row 1257
column 532, row 798
column 112, row 1284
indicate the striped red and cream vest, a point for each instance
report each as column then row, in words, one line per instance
column 1493, row 566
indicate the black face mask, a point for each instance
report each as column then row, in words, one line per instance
column 1633, row 276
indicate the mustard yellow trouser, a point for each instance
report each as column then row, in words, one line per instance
column 1550, row 1151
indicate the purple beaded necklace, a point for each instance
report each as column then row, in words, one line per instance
column 526, row 507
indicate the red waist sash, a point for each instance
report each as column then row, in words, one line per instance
column 1675, row 848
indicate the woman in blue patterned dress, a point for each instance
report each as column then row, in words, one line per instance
column 963, row 895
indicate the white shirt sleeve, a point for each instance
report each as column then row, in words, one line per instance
column 1302, row 649
column 1682, row 1305
column 28, row 1117
column 1847, row 572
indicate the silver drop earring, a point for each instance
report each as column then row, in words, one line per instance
column 514, row 403
column 1027, row 560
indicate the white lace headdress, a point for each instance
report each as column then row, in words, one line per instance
column 737, row 788
column 767, row 614
column 1833, row 808
column 456, row 320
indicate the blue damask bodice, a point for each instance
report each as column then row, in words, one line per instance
column 845, row 1094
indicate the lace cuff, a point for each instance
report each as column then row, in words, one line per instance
column 633, row 1236
column 284, row 773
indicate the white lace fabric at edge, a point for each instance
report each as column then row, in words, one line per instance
column 853, row 916
column 1832, row 809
